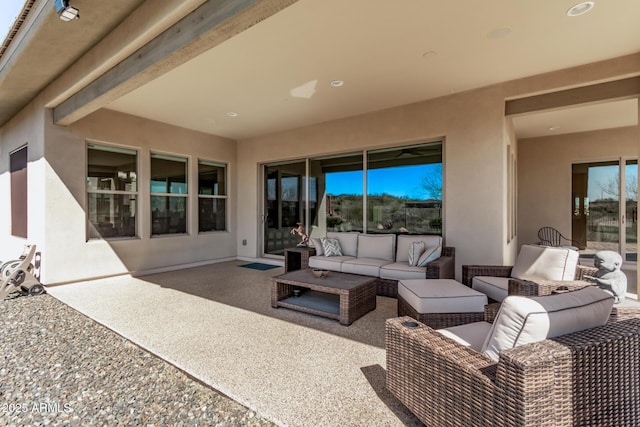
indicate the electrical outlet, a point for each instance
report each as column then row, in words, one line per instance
column 244, row 242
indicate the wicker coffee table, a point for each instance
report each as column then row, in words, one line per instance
column 340, row 296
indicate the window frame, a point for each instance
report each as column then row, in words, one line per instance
column 224, row 197
column 185, row 195
column 89, row 190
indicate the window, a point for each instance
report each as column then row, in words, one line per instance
column 404, row 190
column 112, row 191
column 18, row 167
column 212, row 196
column 169, row 192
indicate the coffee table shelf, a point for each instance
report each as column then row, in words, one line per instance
column 341, row 296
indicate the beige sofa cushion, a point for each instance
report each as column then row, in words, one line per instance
column 348, row 241
column 536, row 262
column 376, row 246
column 496, row 288
column 441, row 296
column 523, row 320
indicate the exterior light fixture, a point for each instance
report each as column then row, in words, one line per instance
column 65, row 12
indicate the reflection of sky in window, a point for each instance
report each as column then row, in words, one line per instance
column 602, row 179
column 405, row 181
column 290, row 188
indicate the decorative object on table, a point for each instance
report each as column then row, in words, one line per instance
column 320, row 273
column 300, row 231
column 609, row 275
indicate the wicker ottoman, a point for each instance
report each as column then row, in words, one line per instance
column 440, row 303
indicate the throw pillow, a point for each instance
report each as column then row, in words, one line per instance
column 318, row 245
column 415, row 250
column 331, row 246
column 431, row 253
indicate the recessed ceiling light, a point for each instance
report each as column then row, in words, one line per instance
column 581, row 8
column 232, row 114
column 337, row 83
column 499, row 33
column 552, row 128
column 429, row 54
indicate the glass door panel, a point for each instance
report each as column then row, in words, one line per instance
column 284, row 205
column 631, row 211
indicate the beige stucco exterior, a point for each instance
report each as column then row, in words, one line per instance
column 478, row 144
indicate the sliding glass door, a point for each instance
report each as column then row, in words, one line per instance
column 605, row 207
column 395, row 190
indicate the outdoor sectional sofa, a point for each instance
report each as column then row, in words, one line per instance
column 384, row 256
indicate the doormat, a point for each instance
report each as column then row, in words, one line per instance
column 259, row 266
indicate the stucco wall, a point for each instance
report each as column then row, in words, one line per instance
column 60, row 181
column 26, row 128
column 544, row 179
column 472, row 125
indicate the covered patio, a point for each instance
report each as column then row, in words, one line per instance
column 215, row 322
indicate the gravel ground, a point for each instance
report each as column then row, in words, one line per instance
column 61, row 368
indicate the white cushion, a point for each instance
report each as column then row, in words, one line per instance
column 496, row 288
column 536, row 262
column 441, row 296
column 363, row 266
column 523, row 320
column 331, row 247
column 470, row 334
column 431, row 253
column 317, row 244
column 378, row 246
column 401, row 271
column 415, row 250
column 404, row 241
column 348, row 242
column 333, row 263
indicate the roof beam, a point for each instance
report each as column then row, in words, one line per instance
column 615, row 90
column 206, row 27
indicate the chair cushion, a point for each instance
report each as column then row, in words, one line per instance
column 535, row 262
column 496, row 288
column 405, row 240
column 348, row 241
column 470, row 334
column 523, row 320
column 377, row 246
column 331, row 246
column 441, row 296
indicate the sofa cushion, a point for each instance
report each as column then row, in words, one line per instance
column 333, row 263
column 522, row 320
column 363, row 266
column 317, row 244
column 348, row 241
column 402, row 270
column 496, row 288
column 415, row 250
column 536, row 262
column 405, row 240
column 377, row 246
column 331, row 247
column 430, row 253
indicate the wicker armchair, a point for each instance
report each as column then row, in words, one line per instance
column 584, row 378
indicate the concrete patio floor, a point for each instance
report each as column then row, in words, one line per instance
column 216, row 323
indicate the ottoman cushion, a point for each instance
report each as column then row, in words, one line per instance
column 441, row 296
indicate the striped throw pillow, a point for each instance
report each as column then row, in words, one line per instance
column 331, row 246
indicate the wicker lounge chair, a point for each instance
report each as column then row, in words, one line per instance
column 587, row 378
